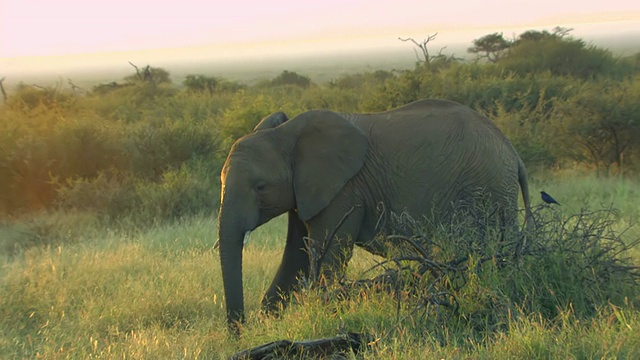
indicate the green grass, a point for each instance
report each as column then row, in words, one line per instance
column 72, row 287
column 581, row 189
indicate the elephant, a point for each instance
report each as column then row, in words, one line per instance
column 422, row 158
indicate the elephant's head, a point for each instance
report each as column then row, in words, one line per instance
column 298, row 165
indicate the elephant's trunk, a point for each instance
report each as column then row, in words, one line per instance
column 231, row 243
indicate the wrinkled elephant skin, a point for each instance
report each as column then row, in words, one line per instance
column 421, row 158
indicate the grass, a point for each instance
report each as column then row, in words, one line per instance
column 72, row 287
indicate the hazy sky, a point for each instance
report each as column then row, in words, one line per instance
column 37, row 28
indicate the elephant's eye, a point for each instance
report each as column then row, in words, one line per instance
column 260, row 187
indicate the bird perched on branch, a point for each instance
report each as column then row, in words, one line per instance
column 548, row 198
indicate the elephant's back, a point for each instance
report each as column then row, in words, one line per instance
column 430, row 123
column 443, row 151
column 422, row 113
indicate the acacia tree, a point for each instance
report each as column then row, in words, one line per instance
column 291, row 78
column 201, row 83
column 600, row 126
column 489, row 47
column 149, row 75
column 539, row 51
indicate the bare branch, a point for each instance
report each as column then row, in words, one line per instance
column 312, row 249
column 144, row 75
column 4, row 93
column 75, row 87
column 422, row 46
column 137, row 70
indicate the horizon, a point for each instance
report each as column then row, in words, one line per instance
column 254, row 65
column 73, row 34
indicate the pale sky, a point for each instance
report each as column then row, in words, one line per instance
column 36, row 30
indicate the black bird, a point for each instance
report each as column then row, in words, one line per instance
column 547, row 198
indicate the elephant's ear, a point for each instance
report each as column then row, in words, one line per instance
column 328, row 152
column 274, row 120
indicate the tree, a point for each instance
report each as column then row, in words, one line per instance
column 533, row 35
column 291, row 78
column 540, row 51
column 634, row 62
column 561, row 32
column 490, row 46
column 200, row 83
column 427, row 58
column 4, row 93
column 600, row 126
column 149, row 74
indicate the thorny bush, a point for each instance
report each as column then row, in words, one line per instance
column 476, row 275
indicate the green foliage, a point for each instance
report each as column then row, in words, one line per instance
column 160, row 146
column 33, row 99
column 361, row 80
column 524, row 130
column 201, row 83
column 186, row 191
column 291, row 78
column 536, row 52
column 490, row 46
column 83, row 177
column 600, row 126
column 149, row 74
column 634, row 61
column 100, row 153
column 560, row 102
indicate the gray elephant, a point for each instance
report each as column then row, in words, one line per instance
column 422, row 158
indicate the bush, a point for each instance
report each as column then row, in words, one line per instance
column 183, row 192
column 600, row 126
column 187, row 190
column 474, row 278
column 243, row 115
column 559, row 55
column 31, row 99
column 155, row 147
column 291, row 78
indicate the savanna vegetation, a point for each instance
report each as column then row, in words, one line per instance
column 108, row 199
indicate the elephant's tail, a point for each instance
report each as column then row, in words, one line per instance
column 528, row 217
column 524, row 188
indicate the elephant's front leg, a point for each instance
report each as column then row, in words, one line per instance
column 333, row 236
column 295, row 264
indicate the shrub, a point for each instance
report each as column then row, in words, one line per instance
column 559, row 55
column 243, row 115
column 155, row 147
column 189, row 189
column 291, row 78
column 29, row 98
column 473, row 277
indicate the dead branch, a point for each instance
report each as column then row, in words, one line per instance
column 423, row 47
column 323, row 348
column 4, row 93
column 145, row 75
column 425, row 281
column 137, row 70
column 318, row 251
column 75, row 87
